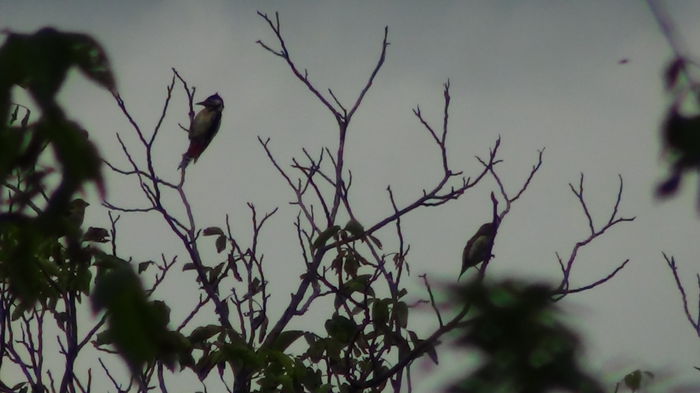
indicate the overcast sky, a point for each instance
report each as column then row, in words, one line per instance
column 538, row 73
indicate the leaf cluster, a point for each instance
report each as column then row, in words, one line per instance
column 680, row 130
column 525, row 345
column 39, row 63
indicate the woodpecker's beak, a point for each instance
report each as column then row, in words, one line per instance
column 202, row 103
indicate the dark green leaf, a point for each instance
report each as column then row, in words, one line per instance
column 325, row 388
column 83, row 278
column 48, row 267
column 107, row 262
column 220, row 243
column 359, row 284
column 214, row 272
column 207, row 362
column 239, row 355
column 136, row 325
column 430, row 350
column 103, row 338
column 341, row 328
column 315, row 351
column 355, row 228
column 401, row 344
column 376, row 241
column 286, row 338
column 324, row 236
column 25, row 119
column 351, row 264
column 19, row 253
column 13, row 117
column 414, row 337
column 261, row 322
column 400, row 314
column 144, row 265
column 672, row 72
column 160, row 312
column 98, row 235
column 188, row 266
column 380, row 314
column 61, row 319
column 203, row 333
column 18, row 312
column 92, row 60
column 234, row 267
column 78, row 155
column 312, row 379
column 211, row 231
column 633, row 380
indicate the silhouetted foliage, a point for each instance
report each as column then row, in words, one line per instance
column 39, row 63
column 526, row 347
column 680, row 130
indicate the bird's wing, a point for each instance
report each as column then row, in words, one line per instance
column 478, row 249
column 213, row 129
column 216, row 123
column 199, row 127
column 465, row 252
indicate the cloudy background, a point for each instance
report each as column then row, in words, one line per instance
column 538, row 73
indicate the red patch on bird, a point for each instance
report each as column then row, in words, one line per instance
column 195, row 150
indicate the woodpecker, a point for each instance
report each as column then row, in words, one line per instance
column 76, row 212
column 203, row 128
column 478, row 248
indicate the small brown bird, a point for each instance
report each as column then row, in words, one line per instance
column 478, row 248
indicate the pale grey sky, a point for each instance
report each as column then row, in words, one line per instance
column 539, row 73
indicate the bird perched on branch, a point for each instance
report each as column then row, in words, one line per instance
column 76, row 213
column 478, row 248
column 204, row 127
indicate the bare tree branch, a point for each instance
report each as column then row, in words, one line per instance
column 567, row 266
column 694, row 321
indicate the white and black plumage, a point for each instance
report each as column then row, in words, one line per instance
column 203, row 129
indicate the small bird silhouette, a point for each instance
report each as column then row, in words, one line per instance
column 76, row 212
column 478, row 248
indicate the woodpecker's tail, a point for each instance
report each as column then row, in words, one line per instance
column 193, row 152
column 185, row 161
column 461, row 273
